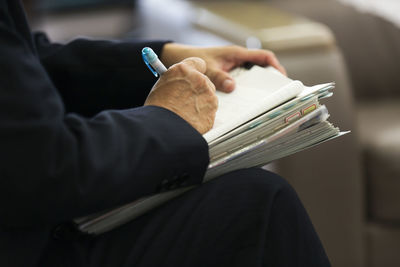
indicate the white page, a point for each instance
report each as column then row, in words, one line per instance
column 257, row 91
column 269, row 79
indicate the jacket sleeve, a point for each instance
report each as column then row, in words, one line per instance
column 103, row 74
column 56, row 166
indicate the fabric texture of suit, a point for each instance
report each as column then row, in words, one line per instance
column 75, row 139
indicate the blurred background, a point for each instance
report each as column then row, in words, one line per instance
column 350, row 186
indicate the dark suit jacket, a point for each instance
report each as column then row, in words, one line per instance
column 74, row 138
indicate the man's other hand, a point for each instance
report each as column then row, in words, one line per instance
column 220, row 60
column 185, row 90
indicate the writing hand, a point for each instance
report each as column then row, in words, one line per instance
column 187, row 91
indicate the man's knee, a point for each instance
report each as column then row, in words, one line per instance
column 266, row 190
column 255, row 177
column 252, row 182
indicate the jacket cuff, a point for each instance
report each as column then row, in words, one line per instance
column 185, row 156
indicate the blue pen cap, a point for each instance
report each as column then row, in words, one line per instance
column 149, row 57
column 149, row 54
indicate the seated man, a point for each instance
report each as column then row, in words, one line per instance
column 77, row 139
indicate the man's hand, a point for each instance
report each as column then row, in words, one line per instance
column 185, row 90
column 220, row 60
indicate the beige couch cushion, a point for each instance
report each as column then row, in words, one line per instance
column 379, row 129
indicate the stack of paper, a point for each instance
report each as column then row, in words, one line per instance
column 266, row 126
column 268, row 116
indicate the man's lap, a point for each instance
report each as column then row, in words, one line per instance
column 221, row 223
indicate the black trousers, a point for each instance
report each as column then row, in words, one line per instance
column 245, row 218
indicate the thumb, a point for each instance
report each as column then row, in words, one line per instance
column 221, row 79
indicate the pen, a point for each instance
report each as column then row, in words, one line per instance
column 152, row 61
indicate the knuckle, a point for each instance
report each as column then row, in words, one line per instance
column 195, row 62
column 180, row 68
column 211, row 85
column 200, row 81
column 198, row 60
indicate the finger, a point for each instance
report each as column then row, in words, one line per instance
column 197, row 63
column 222, row 80
column 261, row 57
